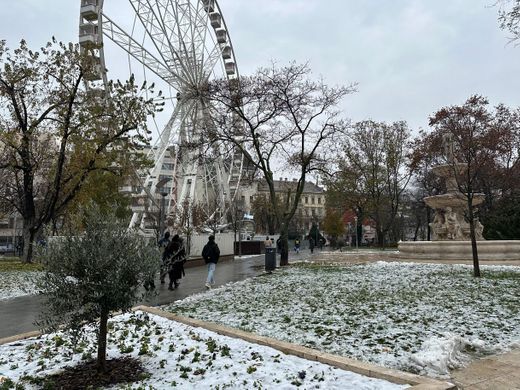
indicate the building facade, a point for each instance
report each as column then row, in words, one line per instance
column 310, row 209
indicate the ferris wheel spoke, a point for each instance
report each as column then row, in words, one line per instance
column 152, row 20
column 122, row 39
column 189, row 28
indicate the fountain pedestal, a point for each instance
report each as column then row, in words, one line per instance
column 450, row 229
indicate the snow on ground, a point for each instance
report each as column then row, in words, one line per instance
column 180, row 356
column 18, row 283
column 421, row 318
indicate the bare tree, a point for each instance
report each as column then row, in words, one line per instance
column 509, row 17
column 54, row 132
column 281, row 119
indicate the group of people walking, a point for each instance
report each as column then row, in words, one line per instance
column 174, row 256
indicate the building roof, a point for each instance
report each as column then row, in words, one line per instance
column 283, row 185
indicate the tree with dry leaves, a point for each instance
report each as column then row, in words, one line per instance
column 483, row 140
column 373, row 171
column 55, row 133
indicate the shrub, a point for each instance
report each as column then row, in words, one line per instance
column 91, row 274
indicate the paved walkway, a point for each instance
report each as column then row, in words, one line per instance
column 17, row 315
column 497, row 372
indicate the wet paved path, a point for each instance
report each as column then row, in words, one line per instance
column 17, row 315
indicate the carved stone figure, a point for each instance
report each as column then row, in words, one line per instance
column 438, row 227
column 479, row 228
column 452, row 224
column 449, row 148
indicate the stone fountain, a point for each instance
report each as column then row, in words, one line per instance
column 450, row 228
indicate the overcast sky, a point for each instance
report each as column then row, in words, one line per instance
column 410, row 57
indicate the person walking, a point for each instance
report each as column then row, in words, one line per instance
column 163, row 244
column 211, row 254
column 175, row 254
column 297, row 245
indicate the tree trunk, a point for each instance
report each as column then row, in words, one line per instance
column 102, row 342
column 380, row 238
column 28, row 241
column 474, row 250
column 416, row 231
column 428, row 228
column 284, row 250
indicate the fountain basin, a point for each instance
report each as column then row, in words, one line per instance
column 489, row 250
column 454, row 200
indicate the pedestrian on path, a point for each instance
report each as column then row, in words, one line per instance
column 297, row 245
column 163, row 244
column 211, row 254
column 175, row 254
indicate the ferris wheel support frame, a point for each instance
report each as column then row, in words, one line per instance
column 94, row 24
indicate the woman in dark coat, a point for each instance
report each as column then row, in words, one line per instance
column 175, row 254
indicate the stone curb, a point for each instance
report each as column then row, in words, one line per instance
column 367, row 369
column 21, row 336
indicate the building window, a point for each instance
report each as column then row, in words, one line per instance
column 167, row 167
column 306, row 200
column 319, row 199
column 312, row 200
column 163, row 177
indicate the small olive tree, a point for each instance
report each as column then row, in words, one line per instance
column 93, row 273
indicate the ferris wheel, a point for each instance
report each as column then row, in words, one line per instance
column 186, row 44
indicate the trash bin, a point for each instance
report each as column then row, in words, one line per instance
column 270, row 259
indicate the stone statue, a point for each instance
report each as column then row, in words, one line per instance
column 449, row 148
column 452, row 224
column 438, row 227
column 478, row 230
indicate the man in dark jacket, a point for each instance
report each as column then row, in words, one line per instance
column 211, row 253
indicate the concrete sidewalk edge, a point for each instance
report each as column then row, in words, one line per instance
column 367, row 369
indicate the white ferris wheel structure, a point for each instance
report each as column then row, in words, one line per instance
column 186, row 44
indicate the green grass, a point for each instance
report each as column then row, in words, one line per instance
column 14, row 264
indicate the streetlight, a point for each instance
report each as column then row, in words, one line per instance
column 356, row 232
column 162, row 191
column 402, row 226
column 317, row 234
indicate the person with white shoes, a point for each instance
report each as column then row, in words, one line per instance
column 211, row 254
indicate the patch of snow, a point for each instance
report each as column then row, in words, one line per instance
column 422, row 318
column 18, row 283
column 181, row 356
column 439, row 355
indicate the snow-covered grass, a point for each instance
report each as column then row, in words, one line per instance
column 421, row 318
column 178, row 356
column 18, row 283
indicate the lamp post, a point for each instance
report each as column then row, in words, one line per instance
column 356, row 232
column 162, row 191
column 402, row 226
column 317, row 234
